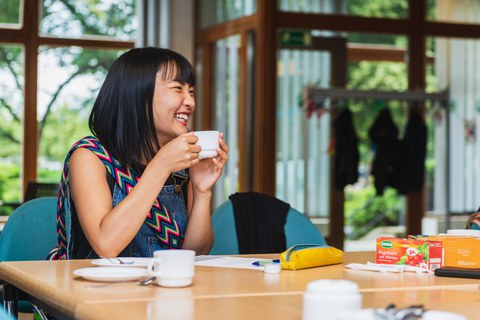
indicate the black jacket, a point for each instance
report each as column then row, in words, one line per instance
column 346, row 156
column 413, row 154
column 387, row 163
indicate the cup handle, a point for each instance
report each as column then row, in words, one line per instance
column 150, row 267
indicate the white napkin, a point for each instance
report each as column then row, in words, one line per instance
column 395, row 268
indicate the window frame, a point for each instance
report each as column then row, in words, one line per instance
column 28, row 36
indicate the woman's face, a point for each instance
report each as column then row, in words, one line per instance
column 173, row 104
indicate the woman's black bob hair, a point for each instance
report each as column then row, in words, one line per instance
column 122, row 115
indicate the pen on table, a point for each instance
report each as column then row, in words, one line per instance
column 265, row 262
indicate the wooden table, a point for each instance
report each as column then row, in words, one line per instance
column 53, row 285
column 271, row 306
column 3, row 220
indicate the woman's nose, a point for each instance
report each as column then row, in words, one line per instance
column 189, row 100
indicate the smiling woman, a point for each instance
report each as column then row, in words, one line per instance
column 139, row 185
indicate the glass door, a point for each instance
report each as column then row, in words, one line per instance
column 303, row 165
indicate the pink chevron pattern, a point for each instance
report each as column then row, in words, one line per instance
column 166, row 229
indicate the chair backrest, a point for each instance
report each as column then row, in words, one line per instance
column 30, row 231
column 40, row 189
column 224, row 230
column 298, row 229
column 4, row 315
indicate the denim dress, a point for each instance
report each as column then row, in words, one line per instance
column 145, row 241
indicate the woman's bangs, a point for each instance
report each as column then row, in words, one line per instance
column 180, row 71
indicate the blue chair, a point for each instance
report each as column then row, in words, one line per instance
column 298, row 229
column 29, row 234
column 4, row 315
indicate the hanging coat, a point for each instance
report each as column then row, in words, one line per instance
column 346, row 156
column 415, row 150
column 386, row 164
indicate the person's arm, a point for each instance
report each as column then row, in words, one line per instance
column 199, row 234
column 110, row 229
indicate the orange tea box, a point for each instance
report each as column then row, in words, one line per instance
column 423, row 253
column 459, row 251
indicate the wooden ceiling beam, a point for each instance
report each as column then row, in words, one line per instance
column 343, row 23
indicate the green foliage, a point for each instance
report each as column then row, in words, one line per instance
column 69, row 18
column 49, row 175
column 367, row 75
column 9, row 11
column 72, row 127
column 379, row 9
column 9, row 185
column 363, row 207
column 62, row 118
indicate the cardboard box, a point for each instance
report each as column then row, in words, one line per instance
column 423, row 253
column 459, row 251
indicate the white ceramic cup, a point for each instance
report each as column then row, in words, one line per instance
column 172, row 268
column 208, row 140
column 325, row 299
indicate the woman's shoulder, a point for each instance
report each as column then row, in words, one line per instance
column 87, row 149
column 92, row 144
column 87, row 142
column 84, row 158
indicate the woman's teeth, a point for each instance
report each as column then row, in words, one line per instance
column 181, row 116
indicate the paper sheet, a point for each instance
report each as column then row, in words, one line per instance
column 227, row 262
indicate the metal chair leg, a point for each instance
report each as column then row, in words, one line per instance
column 10, row 299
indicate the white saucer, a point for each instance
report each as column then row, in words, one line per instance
column 137, row 262
column 463, row 232
column 109, row 274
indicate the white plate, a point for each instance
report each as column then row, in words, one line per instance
column 463, row 232
column 110, row 274
column 137, row 262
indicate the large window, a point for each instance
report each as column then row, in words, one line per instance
column 390, row 46
column 83, row 18
column 378, row 9
column 457, row 11
column 50, row 75
column 217, row 11
column 456, row 179
column 11, row 111
column 304, row 144
column 69, row 79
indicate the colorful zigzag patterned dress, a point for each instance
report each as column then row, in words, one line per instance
column 165, row 228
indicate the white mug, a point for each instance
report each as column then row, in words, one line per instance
column 208, row 140
column 172, row 268
column 325, row 299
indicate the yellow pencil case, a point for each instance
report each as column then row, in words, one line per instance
column 302, row 256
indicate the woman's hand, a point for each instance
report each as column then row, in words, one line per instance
column 206, row 172
column 180, row 153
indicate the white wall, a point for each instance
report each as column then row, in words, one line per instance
column 182, row 24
